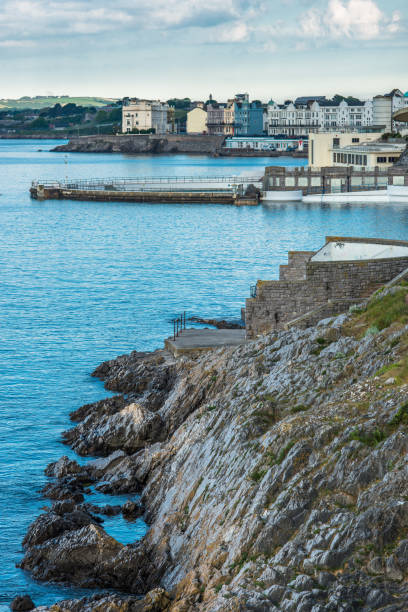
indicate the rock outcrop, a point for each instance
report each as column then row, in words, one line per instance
column 144, row 143
column 274, row 475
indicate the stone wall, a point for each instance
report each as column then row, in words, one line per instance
column 305, row 286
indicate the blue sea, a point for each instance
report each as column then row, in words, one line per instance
column 82, row 282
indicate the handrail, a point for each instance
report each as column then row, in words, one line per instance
column 102, row 182
column 178, row 325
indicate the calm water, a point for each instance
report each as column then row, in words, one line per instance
column 83, row 282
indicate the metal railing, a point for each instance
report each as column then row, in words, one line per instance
column 179, row 324
column 126, row 183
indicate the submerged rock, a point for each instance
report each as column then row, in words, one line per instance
column 22, row 603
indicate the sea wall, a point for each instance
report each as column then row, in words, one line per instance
column 144, row 143
column 305, row 286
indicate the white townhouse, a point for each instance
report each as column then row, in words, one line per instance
column 145, row 115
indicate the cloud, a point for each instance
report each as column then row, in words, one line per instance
column 49, row 18
column 349, row 19
column 234, row 33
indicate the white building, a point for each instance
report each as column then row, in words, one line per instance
column 146, row 115
column 263, row 143
column 304, row 116
column 385, row 106
column 368, row 155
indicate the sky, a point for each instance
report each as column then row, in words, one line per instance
column 175, row 48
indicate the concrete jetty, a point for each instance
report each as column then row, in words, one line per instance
column 182, row 190
column 191, row 340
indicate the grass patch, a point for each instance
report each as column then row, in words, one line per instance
column 387, row 368
column 283, row 452
column 369, row 438
column 388, row 309
column 299, row 408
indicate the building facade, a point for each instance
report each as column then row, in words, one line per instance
column 302, row 117
column 384, row 106
column 248, row 116
column 322, row 145
column 146, row 115
column 371, row 155
column 220, row 119
column 196, row 121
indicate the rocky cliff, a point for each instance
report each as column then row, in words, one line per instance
column 144, row 143
column 274, row 476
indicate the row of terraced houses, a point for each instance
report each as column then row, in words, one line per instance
column 241, row 117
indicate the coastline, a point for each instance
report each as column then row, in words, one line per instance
column 234, row 456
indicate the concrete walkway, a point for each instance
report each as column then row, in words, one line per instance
column 204, row 340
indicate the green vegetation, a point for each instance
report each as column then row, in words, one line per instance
column 369, row 438
column 400, row 417
column 299, row 408
column 257, row 475
column 283, row 452
column 387, row 368
column 39, row 102
column 322, row 343
column 62, row 119
column 384, row 311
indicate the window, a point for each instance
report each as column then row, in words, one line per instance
column 336, row 142
column 381, row 160
column 398, row 180
column 355, row 140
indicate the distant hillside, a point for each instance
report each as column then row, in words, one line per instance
column 44, row 101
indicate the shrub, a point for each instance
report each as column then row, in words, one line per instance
column 299, row 408
column 257, row 475
column 401, row 416
column 369, row 438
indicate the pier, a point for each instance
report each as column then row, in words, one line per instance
column 182, row 190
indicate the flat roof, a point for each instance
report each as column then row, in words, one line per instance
column 371, row 147
column 352, row 249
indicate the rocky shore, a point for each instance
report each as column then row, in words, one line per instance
column 273, row 476
column 136, row 144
